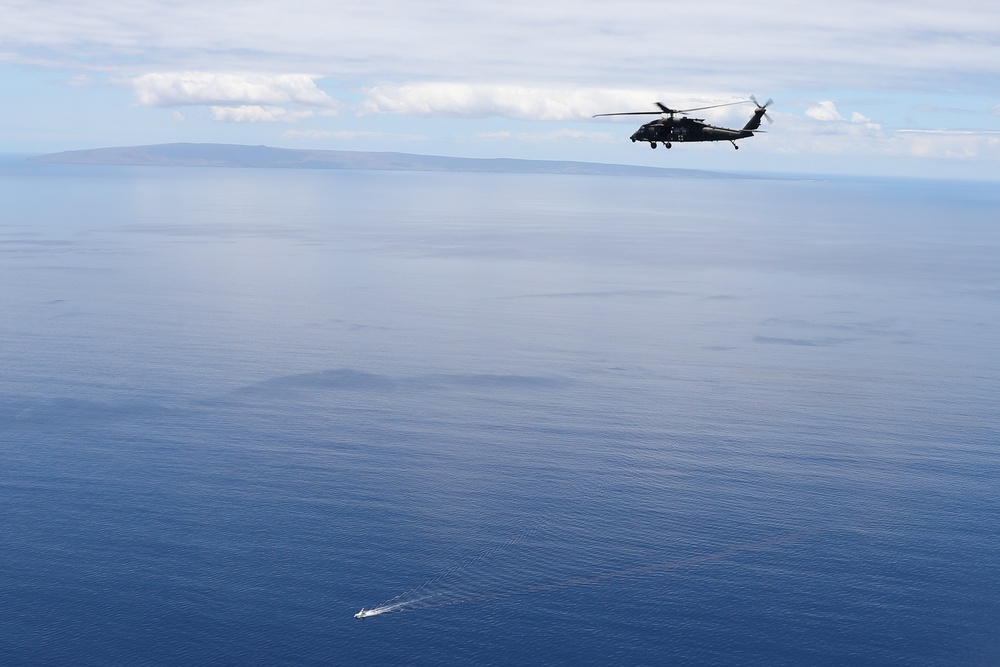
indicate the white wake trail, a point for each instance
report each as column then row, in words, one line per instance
column 473, row 579
column 386, row 608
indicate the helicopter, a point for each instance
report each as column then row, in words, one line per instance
column 675, row 126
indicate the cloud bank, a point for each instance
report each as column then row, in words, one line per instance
column 173, row 89
column 520, row 102
column 823, row 130
column 720, row 44
column 236, row 97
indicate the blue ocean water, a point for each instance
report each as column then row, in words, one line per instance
column 566, row 419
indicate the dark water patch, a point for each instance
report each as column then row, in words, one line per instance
column 353, row 380
column 339, row 379
column 601, row 295
column 35, row 242
column 486, row 381
column 888, row 328
column 70, row 269
column 800, row 342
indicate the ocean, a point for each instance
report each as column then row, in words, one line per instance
column 541, row 419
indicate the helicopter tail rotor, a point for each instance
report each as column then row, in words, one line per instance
column 763, row 107
column 759, row 112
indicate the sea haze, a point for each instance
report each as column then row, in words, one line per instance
column 561, row 419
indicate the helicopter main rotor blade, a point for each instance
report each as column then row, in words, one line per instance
column 664, row 109
column 630, row 113
column 714, row 106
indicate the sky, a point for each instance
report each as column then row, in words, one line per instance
column 894, row 87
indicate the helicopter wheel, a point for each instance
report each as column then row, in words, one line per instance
column 652, row 144
column 668, row 144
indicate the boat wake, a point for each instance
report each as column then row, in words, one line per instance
column 452, row 595
column 512, row 567
column 386, row 608
column 496, row 572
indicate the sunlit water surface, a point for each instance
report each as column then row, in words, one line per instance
column 566, row 420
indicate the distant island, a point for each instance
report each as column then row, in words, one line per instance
column 233, row 155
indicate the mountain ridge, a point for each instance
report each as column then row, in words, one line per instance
column 266, row 157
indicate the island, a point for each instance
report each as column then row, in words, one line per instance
column 234, row 155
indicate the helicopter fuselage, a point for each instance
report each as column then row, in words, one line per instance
column 686, row 130
column 674, row 126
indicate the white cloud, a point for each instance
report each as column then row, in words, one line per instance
column 948, row 144
column 825, row 110
column 863, row 137
column 470, row 101
column 832, row 123
column 172, row 89
column 252, row 113
column 902, row 43
column 237, row 97
column 520, row 102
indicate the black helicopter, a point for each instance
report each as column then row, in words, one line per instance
column 682, row 129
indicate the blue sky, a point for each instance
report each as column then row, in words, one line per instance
column 909, row 88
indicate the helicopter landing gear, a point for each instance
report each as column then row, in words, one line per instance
column 734, row 145
column 667, row 144
column 652, row 144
